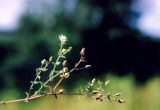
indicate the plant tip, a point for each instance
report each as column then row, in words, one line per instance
column 82, row 52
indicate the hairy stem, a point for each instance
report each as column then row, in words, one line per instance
column 36, row 97
column 53, row 70
column 57, row 84
column 31, row 87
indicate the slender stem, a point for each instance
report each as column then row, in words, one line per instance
column 48, row 81
column 42, row 86
column 36, row 97
column 75, row 67
column 59, row 56
column 57, row 84
column 53, row 70
column 77, row 64
column 31, row 87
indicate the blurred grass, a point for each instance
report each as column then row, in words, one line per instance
column 142, row 97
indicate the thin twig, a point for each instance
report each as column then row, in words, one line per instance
column 33, row 97
column 27, row 99
column 57, row 84
column 36, row 97
column 77, row 64
column 75, row 68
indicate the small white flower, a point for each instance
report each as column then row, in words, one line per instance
column 62, row 38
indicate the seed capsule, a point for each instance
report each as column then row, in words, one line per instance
column 118, row 94
column 82, row 53
column 98, row 96
column 65, row 69
column 120, row 101
column 95, row 92
column 88, row 66
column 65, row 63
column 61, row 91
column 66, row 75
column 43, row 62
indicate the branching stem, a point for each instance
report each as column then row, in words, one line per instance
column 28, row 99
column 57, row 84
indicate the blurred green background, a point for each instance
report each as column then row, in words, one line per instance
column 115, row 46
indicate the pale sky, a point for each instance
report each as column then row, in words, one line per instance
column 149, row 21
column 10, row 11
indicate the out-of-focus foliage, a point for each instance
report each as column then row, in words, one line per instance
column 36, row 38
column 99, row 25
column 137, row 98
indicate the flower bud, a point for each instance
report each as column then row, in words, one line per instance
column 66, row 75
column 62, row 39
column 61, row 91
column 65, row 63
column 82, row 52
column 88, row 66
column 65, row 69
column 95, row 92
column 120, row 101
column 50, row 59
column 43, row 62
column 64, row 50
column 98, row 96
column 118, row 94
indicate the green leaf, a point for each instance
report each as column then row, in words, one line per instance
column 106, row 83
column 43, row 62
column 27, row 94
column 34, row 82
column 43, row 69
column 51, row 58
column 63, row 56
column 39, row 77
column 58, row 63
column 38, row 71
column 69, row 49
column 93, row 80
column 100, row 82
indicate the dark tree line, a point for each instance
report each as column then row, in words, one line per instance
column 116, row 47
